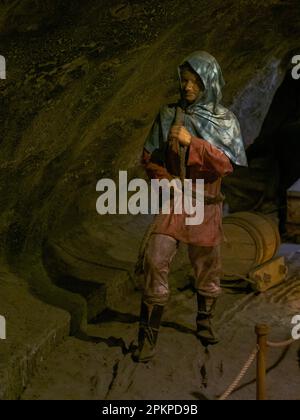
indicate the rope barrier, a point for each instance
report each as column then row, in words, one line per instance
column 252, row 357
column 240, row 376
column 281, row 343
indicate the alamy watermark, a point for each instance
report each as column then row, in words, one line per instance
column 296, row 68
column 296, row 328
column 2, row 67
column 164, row 197
column 2, row 318
column 2, row 328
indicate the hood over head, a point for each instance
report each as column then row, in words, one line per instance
column 206, row 117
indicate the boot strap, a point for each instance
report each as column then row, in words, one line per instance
column 150, row 333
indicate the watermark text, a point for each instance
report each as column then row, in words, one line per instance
column 296, row 328
column 2, row 328
column 2, row 67
column 296, row 68
column 164, row 197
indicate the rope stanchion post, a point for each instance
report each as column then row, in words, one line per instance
column 261, row 331
column 260, row 353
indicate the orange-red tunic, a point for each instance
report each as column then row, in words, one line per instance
column 204, row 161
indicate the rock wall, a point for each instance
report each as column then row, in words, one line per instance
column 81, row 94
column 25, row 16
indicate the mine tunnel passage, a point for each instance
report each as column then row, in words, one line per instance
column 273, row 158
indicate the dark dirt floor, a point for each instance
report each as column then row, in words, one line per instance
column 182, row 369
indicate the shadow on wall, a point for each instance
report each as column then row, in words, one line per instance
column 273, row 158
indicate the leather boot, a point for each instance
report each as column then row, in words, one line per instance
column 148, row 331
column 205, row 332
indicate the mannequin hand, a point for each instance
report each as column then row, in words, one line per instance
column 181, row 134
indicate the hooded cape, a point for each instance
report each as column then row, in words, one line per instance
column 206, row 117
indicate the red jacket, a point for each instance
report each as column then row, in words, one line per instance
column 206, row 162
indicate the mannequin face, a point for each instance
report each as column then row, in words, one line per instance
column 192, row 86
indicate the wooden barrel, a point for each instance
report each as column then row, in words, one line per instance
column 250, row 239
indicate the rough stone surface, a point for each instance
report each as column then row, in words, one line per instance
column 83, row 86
column 182, row 368
column 78, row 371
column 28, row 16
column 83, row 93
column 34, row 329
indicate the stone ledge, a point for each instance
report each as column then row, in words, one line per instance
column 34, row 329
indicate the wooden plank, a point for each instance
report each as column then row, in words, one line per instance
column 293, row 229
column 293, row 210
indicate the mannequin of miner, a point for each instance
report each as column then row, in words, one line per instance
column 211, row 138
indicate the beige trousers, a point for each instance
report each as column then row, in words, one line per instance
column 160, row 251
